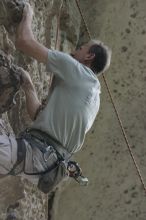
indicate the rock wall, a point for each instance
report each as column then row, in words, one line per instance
column 114, row 190
column 32, row 203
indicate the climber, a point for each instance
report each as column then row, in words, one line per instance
column 58, row 130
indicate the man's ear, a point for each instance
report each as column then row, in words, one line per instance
column 90, row 56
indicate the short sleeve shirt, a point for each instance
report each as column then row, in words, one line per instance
column 73, row 103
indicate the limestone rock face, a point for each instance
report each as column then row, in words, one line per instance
column 10, row 193
column 9, row 83
column 11, row 12
column 114, row 190
column 47, row 15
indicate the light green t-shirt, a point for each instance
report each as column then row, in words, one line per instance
column 73, row 103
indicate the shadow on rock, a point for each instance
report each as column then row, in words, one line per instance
column 10, row 82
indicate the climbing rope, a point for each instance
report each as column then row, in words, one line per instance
column 115, row 109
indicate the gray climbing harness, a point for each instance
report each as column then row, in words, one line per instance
column 57, row 171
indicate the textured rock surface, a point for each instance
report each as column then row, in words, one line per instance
column 33, row 204
column 114, row 191
column 11, row 12
column 9, row 83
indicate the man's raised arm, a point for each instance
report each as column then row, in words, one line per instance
column 25, row 40
column 32, row 102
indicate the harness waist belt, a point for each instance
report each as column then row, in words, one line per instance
column 44, row 137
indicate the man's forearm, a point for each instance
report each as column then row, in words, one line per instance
column 33, row 48
column 32, row 101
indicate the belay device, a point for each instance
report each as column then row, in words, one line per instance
column 76, row 173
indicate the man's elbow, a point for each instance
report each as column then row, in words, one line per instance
column 32, row 48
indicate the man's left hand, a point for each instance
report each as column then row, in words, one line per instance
column 26, row 79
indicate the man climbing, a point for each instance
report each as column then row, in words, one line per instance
column 59, row 129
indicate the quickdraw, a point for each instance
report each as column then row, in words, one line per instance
column 76, row 173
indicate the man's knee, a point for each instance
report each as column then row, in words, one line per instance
column 8, row 153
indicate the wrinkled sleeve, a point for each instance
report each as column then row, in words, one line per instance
column 63, row 66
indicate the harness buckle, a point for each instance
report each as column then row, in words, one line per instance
column 48, row 150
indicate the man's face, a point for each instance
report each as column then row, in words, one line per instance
column 82, row 53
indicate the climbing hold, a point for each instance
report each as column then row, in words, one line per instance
column 11, row 12
column 10, row 82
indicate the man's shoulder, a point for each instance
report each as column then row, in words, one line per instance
column 61, row 56
column 90, row 74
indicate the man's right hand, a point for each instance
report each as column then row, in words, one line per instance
column 25, row 40
column 28, row 13
column 26, row 80
column 26, row 21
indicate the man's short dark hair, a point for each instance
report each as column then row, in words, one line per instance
column 102, row 57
